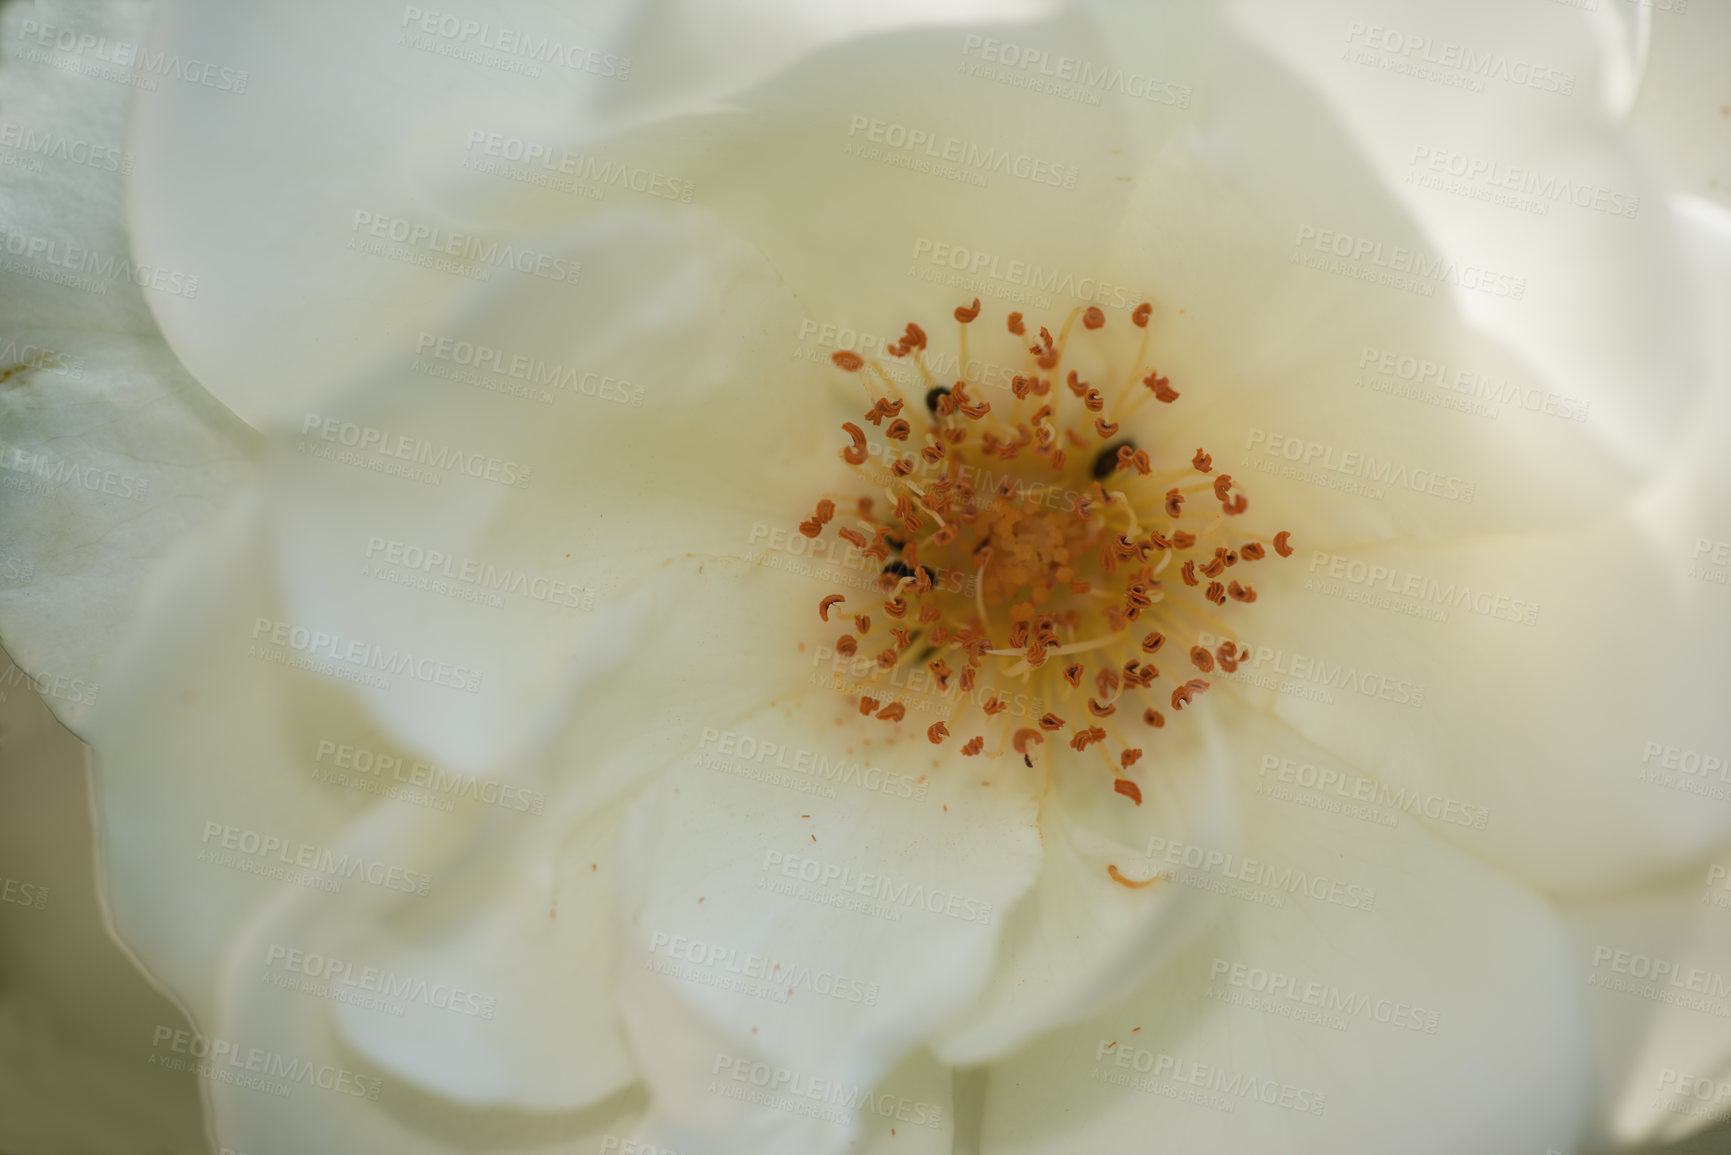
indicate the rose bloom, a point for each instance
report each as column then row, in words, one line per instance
column 955, row 577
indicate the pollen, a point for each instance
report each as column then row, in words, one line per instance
column 1033, row 539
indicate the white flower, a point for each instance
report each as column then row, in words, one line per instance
column 471, row 773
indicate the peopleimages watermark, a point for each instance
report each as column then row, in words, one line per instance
column 1718, row 875
column 1279, row 878
column 1448, row 62
column 1399, row 267
column 552, row 166
column 360, row 655
column 126, row 61
column 56, row 145
column 1423, row 378
column 419, row 456
column 1711, row 561
column 226, row 1061
column 450, row 251
column 19, row 357
column 835, row 768
column 420, row 566
column 48, row 683
column 1309, row 677
column 864, row 891
column 36, row 471
column 1510, row 186
column 1324, row 1004
column 1070, row 77
column 362, row 767
column 223, row 842
column 373, row 987
column 20, row 893
column 1661, row 980
column 998, row 274
column 713, row 964
column 86, row 269
column 1691, row 771
column 1351, row 470
column 1421, row 592
column 532, row 372
column 504, row 47
column 1205, row 1084
column 785, row 1089
column 1342, row 786
column 923, row 149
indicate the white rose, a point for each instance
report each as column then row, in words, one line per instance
column 479, row 777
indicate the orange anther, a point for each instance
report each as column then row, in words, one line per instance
column 900, row 634
column 1140, row 317
column 1104, row 427
column 1128, row 789
column 1202, row 461
column 1188, row 572
column 1283, row 543
column 1153, row 717
column 1052, row 722
column 1129, row 758
column 1252, row 551
column 1152, row 643
column 867, row 705
column 1073, row 673
column 1092, row 401
column 1215, row 593
column 896, row 607
column 1238, row 593
column 993, row 706
column 1182, row 540
column 1119, row 877
column 1202, row 659
column 966, row 313
column 862, row 623
column 932, row 454
column 967, row 682
column 1182, row 695
column 1174, row 503
column 1099, row 711
column 1235, row 504
column 887, row 658
column 898, row 430
column 846, row 646
column 937, row 732
column 1020, row 739
column 1093, row 318
column 903, row 466
column 1162, row 387
column 854, row 454
column 1016, row 325
column 930, row 613
column 894, row 712
column 974, row 746
column 1222, row 486
column 823, row 606
column 1084, row 738
column 845, row 360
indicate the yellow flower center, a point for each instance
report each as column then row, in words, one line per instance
column 1028, row 546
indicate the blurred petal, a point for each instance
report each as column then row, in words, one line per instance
column 1366, row 983
column 804, row 896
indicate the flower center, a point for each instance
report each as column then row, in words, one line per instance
column 1033, row 552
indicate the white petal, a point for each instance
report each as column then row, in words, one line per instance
column 1538, row 692
column 1590, row 290
column 296, row 293
column 910, row 1110
column 1080, row 940
column 1320, row 1017
column 73, row 1007
column 1658, row 994
column 673, row 419
column 1680, row 110
column 809, row 892
column 107, row 447
column 513, row 1018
